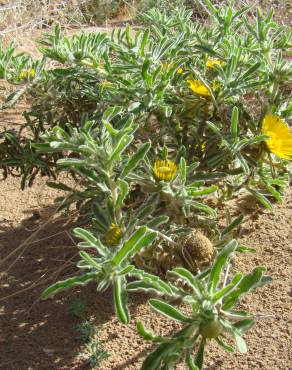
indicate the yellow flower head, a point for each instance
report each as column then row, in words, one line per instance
column 212, row 63
column 198, row 87
column 179, row 71
column 164, row 170
column 113, row 235
column 280, row 136
column 27, row 73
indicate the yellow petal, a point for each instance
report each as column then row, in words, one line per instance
column 198, row 87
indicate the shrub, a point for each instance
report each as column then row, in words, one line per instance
column 149, row 124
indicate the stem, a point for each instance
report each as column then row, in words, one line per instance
column 226, row 275
column 114, row 191
column 169, row 240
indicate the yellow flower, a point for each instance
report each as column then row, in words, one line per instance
column 27, row 73
column 164, row 170
column 113, row 235
column 179, row 71
column 198, row 87
column 280, row 136
column 201, row 147
column 212, row 63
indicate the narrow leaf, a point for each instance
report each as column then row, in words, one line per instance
column 199, row 361
column 134, row 160
column 129, row 245
column 121, row 300
column 68, row 283
column 220, row 261
column 168, row 311
column 234, row 122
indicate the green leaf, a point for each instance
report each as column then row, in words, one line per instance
column 199, row 361
column 130, row 245
column 243, row 325
column 121, row 300
column 168, row 311
column 148, row 335
column 250, row 71
column 247, row 283
column 234, row 122
column 240, row 343
column 143, row 286
column 145, row 242
column 67, row 162
column 192, row 282
column 190, row 362
column 154, row 360
column 135, row 159
column 123, row 192
column 145, row 73
column 111, row 112
column 101, row 216
column 68, row 283
column 85, row 235
column 59, row 186
column 90, row 241
column 275, row 193
column 157, row 221
column 197, row 193
column 203, row 207
column 227, row 347
column 144, row 42
column 123, row 143
column 127, row 270
column 227, row 289
column 91, row 261
column 261, row 198
column 182, row 171
column 243, row 163
column 150, row 281
column 220, row 261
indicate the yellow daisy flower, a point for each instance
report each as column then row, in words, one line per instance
column 113, row 235
column 164, row 170
column 27, row 73
column 280, row 136
column 212, row 63
column 198, row 87
column 179, row 71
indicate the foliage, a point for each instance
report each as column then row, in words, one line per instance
column 212, row 297
column 151, row 125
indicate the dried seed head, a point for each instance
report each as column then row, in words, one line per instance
column 199, row 248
